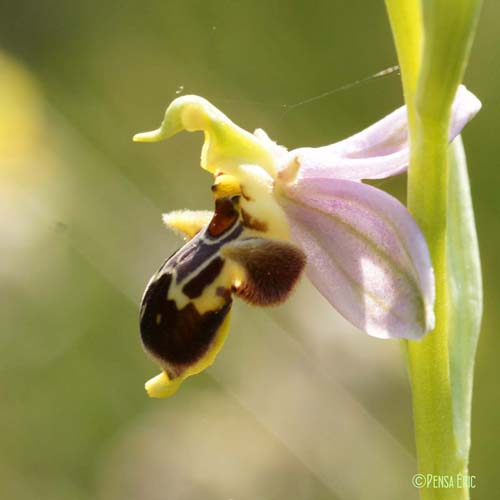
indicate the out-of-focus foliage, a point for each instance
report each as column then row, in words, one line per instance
column 299, row 405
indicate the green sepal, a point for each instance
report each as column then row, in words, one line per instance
column 465, row 293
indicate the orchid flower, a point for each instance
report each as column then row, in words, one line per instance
column 279, row 211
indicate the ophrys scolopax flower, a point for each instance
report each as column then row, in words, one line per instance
column 275, row 211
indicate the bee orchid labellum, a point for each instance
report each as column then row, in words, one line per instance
column 186, row 306
column 274, row 210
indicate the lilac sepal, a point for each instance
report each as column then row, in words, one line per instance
column 379, row 151
column 365, row 254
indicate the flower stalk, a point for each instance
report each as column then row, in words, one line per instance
column 433, row 40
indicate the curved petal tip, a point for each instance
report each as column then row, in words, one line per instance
column 377, row 152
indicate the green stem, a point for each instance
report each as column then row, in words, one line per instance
column 431, row 74
column 406, row 25
column 429, row 359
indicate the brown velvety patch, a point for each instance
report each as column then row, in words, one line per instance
column 252, row 222
column 225, row 216
column 272, row 268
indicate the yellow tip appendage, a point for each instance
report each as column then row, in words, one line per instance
column 161, row 386
column 152, row 136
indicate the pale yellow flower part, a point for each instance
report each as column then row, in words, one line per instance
column 249, row 159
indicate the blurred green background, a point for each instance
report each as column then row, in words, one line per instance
column 299, row 405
